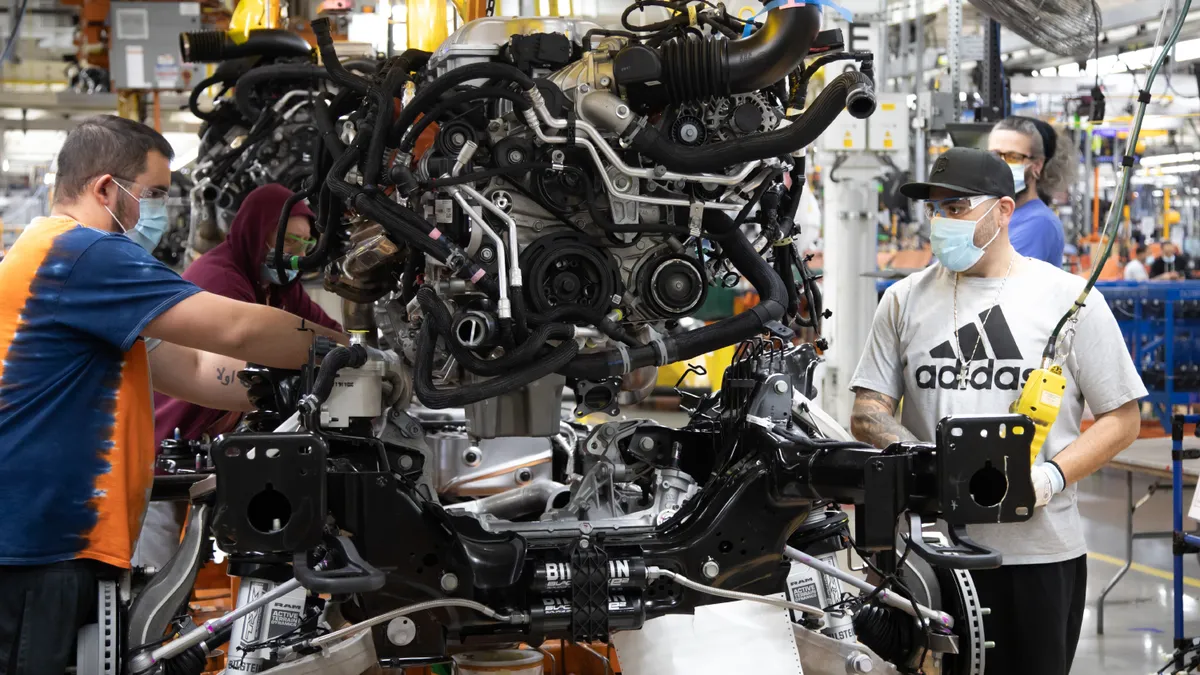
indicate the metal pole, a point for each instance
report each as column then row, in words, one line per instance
column 850, row 244
column 1177, row 525
column 1130, row 508
column 954, row 24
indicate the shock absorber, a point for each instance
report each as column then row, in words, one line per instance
column 811, row 587
column 277, row 617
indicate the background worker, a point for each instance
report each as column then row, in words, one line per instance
column 1172, row 265
column 239, row 268
column 81, row 291
column 1041, row 164
column 1135, row 268
column 960, row 337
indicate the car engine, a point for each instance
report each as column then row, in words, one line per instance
column 537, row 208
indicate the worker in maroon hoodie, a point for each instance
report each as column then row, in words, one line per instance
column 238, row 268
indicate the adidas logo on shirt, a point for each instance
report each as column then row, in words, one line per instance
column 987, row 356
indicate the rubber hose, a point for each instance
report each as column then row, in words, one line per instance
column 280, row 260
column 431, row 93
column 341, row 76
column 587, row 315
column 324, row 119
column 194, row 97
column 520, row 357
column 772, row 294
column 248, row 83
column 403, row 225
column 353, row 356
column 361, row 65
column 213, row 46
column 851, row 88
column 384, row 109
column 432, row 397
column 393, row 84
column 410, row 138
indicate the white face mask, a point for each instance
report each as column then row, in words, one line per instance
column 953, row 241
column 1018, row 174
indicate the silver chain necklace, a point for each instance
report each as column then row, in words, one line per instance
column 964, row 377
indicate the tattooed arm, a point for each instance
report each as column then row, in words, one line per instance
column 203, row 378
column 874, row 419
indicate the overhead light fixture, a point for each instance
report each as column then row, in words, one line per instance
column 1174, row 158
column 1180, row 168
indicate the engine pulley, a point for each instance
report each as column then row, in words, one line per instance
column 673, row 285
column 563, row 268
column 689, row 130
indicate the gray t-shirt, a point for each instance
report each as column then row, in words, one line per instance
column 910, row 356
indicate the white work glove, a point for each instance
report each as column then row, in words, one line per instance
column 1047, row 481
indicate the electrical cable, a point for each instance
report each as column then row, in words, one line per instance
column 656, row 572
column 1118, row 204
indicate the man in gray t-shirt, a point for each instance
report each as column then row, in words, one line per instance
column 961, row 337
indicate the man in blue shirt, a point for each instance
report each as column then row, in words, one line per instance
column 1030, row 148
column 81, row 296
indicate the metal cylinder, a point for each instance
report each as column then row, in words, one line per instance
column 556, row 576
column 277, row 617
column 808, row 586
column 625, row 612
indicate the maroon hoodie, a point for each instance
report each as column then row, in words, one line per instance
column 233, row 269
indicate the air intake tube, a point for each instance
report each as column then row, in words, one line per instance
column 214, row 46
column 852, row 91
column 691, row 69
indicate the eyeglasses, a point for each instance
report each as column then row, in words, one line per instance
column 138, row 191
column 1012, row 157
column 954, row 207
column 294, row 244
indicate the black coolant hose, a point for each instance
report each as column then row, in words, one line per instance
column 432, row 397
column 338, row 358
column 333, row 65
column 393, row 85
column 594, row 317
column 403, row 225
column 215, row 46
column 194, row 97
column 450, row 102
column 431, row 93
column 248, row 83
column 754, row 321
column 852, row 91
column 518, row 358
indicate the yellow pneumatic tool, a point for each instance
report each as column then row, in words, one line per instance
column 1040, row 400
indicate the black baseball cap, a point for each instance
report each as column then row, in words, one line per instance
column 967, row 171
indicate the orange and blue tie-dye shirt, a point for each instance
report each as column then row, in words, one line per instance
column 76, row 411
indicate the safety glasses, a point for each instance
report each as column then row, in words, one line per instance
column 140, row 192
column 1012, row 157
column 954, row 207
column 296, row 245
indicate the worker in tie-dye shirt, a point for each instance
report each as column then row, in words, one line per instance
column 78, row 293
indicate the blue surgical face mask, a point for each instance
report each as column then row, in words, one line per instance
column 953, row 241
column 151, row 224
column 1018, row 173
column 271, row 275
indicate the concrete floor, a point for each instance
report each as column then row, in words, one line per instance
column 1138, row 631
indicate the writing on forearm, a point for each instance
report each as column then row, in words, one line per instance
column 223, row 378
column 873, row 420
